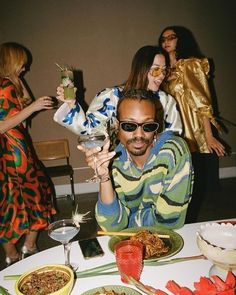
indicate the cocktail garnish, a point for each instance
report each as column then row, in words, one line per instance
column 79, row 218
column 61, row 68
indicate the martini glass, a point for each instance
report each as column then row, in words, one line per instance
column 63, row 231
column 90, row 141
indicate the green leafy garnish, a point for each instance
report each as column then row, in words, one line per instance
column 4, row 291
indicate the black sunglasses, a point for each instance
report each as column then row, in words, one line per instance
column 132, row 126
column 168, row 38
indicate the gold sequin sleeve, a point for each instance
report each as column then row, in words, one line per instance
column 188, row 84
column 196, row 88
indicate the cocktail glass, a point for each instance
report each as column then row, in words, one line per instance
column 67, row 80
column 129, row 259
column 90, row 141
column 64, row 231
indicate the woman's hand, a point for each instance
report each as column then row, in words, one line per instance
column 214, row 145
column 44, row 102
column 61, row 97
column 99, row 156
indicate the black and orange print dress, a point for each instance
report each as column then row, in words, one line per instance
column 25, row 192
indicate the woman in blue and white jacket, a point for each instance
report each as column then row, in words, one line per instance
column 147, row 72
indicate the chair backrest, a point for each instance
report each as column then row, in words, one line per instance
column 52, row 149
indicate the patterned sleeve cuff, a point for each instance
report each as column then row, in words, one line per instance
column 107, row 209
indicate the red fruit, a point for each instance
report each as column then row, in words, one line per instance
column 206, row 285
column 228, row 292
column 185, row 291
column 230, row 280
column 173, row 287
column 220, row 285
column 160, row 292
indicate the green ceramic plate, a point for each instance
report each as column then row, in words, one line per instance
column 175, row 242
column 116, row 288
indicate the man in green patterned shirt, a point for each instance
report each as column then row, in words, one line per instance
column 148, row 179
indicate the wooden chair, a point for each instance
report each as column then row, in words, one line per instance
column 53, row 150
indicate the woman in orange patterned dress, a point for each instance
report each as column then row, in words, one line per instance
column 25, row 193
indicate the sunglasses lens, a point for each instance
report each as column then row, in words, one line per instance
column 131, row 127
column 168, row 38
column 150, row 127
column 157, row 72
column 128, row 126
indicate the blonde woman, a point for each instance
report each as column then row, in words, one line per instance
column 25, row 193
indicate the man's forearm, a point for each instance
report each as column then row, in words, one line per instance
column 106, row 191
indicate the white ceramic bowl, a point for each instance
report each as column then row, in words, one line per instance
column 217, row 242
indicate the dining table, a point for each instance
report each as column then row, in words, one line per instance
column 184, row 273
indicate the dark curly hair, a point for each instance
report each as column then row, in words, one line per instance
column 187, row 45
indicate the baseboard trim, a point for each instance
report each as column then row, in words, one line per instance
column 227, row 172
column 86, row 188
column 80, row 188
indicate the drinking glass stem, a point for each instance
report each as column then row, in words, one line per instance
column 67, row 247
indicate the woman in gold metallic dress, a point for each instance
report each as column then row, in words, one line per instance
column 187, row 82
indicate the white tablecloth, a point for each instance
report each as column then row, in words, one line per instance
column 184, row 273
